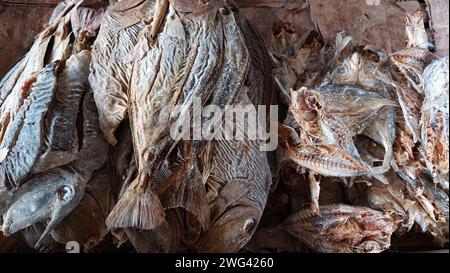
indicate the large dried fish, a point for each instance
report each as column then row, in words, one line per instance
column 191, row 59
column 42, row 94
column 238, row 186
column 110, row 67
column 239, row 175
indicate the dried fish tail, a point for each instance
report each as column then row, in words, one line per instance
column 139, row 207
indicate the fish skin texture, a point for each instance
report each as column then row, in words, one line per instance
column 26, row 144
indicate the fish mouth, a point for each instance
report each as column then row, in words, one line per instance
column 7, row 228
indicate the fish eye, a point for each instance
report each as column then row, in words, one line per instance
column 249, row 225
column 65, row 193
column 225, row 10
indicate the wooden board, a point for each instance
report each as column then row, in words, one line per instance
column 379, row 23
column 439, row 13
column 265, row 14
column 18, row 27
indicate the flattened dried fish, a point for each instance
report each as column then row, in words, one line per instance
column 356, row 106
column 110, row 66
column 61, row 139
column 326, row 160
column 342, row 229
column 411, row 62
column 357, row 71
column 23, row 140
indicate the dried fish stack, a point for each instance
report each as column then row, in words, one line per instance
column 88, row 155
column 347, row 104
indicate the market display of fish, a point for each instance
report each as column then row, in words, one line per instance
column 92, row 158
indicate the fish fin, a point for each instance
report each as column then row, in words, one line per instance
column 342, row 41
column 189, row 193
column 56, row 218
column 160, row 180
column 138, row 208
column 234, row 190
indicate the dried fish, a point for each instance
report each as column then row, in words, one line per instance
column 110, row 66
column 356, row 106
column 56, row 193
column 357, row 71
column 87, row 152
column 170, row 69
column 61, row 139
column 342, row 228
column 22, row 142
column 411, row 62
column 435, row 119
column 415, row 28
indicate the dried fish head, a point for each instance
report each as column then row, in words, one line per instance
column 86, row 223
column 318, row 126
column 307, row 112
column 342, row 228
column 47, row 196
column 348, row 71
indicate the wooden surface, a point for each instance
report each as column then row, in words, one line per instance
column 439, row 13
column 377, row 22
column 381, row 25
column 18, row 27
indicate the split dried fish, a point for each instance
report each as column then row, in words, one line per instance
column 169, row 67
column 343, row 229
column 110, row 66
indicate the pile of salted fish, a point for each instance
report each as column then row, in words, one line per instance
column 371, row 129
column 87, row 154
